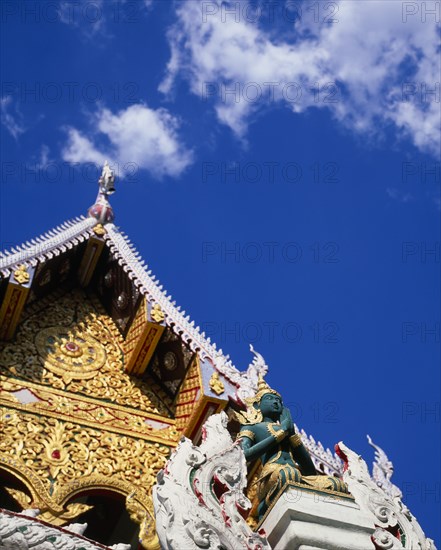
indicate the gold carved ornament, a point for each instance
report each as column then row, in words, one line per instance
column 96, row 345
column 216, row 384
column 295, row 440
column 71, row 354
column 21, row 275
column 58, row 461
column 89, row 412
column 157, row 314
column 99, row 230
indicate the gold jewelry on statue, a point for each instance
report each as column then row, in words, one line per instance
column 250, row 416
column 295, row 440
column 279, row 435
column 246, row 433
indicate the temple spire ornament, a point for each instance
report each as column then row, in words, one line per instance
column 101, row 210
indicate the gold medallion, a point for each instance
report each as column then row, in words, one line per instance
column 70, row 355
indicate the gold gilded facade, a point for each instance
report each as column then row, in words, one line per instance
column 100, row 376
column 35, row 354
column 58, row 461
column 72, row 420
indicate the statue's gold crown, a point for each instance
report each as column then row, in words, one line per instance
column 252, row 415
column 262, row 389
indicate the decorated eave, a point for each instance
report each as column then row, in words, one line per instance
column 21, row 267
column 78, row 249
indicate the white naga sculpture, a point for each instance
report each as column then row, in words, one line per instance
column 200, row 501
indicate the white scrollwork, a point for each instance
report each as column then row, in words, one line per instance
column 201, row 503
column 382, row 471
column 397, row 528
column 383, row 540
column 257, row 367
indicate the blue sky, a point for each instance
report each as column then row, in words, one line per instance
column 278, row 170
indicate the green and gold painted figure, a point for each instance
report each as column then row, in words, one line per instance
column 268, row 433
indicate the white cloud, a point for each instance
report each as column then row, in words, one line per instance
column 44, row 155
column 80, row 149
column 398, row 195
column 43, row 159
column 369, row 52
column 11, row 117
column 138, row 135
column 94, row 18
column 87, row 15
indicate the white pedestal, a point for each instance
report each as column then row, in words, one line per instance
column 303, row 519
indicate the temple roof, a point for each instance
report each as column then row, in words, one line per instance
column 67, row 236
column 85, row 249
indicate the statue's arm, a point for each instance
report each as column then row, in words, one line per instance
column 253, row 450
column 299, row 451
column 302, row 456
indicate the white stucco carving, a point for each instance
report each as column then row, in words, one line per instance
column 200, row 503
column 199, row 500
column 382, row 471
column 23, row 532
column 396, row 527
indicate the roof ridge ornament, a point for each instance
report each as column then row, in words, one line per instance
column 382, row 471
column 107, row 180
column 101, row 210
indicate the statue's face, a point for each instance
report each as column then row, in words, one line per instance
column 271, row 405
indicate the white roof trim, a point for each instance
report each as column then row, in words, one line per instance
column 51, row 243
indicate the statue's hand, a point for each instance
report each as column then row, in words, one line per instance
column 286, row 421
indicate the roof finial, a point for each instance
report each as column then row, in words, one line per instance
column 107, row 180
column 101, row 210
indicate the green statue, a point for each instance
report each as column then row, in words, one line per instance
column 268, row 433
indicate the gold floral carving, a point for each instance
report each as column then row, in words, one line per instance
column 146, row 520
column 72, row 420
column 59, row 461
column 21, row 275
column 157, row 314
column 89, row 412
column 250, row 416
column 78, row 316
column 189, row 395
column 216, row 384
